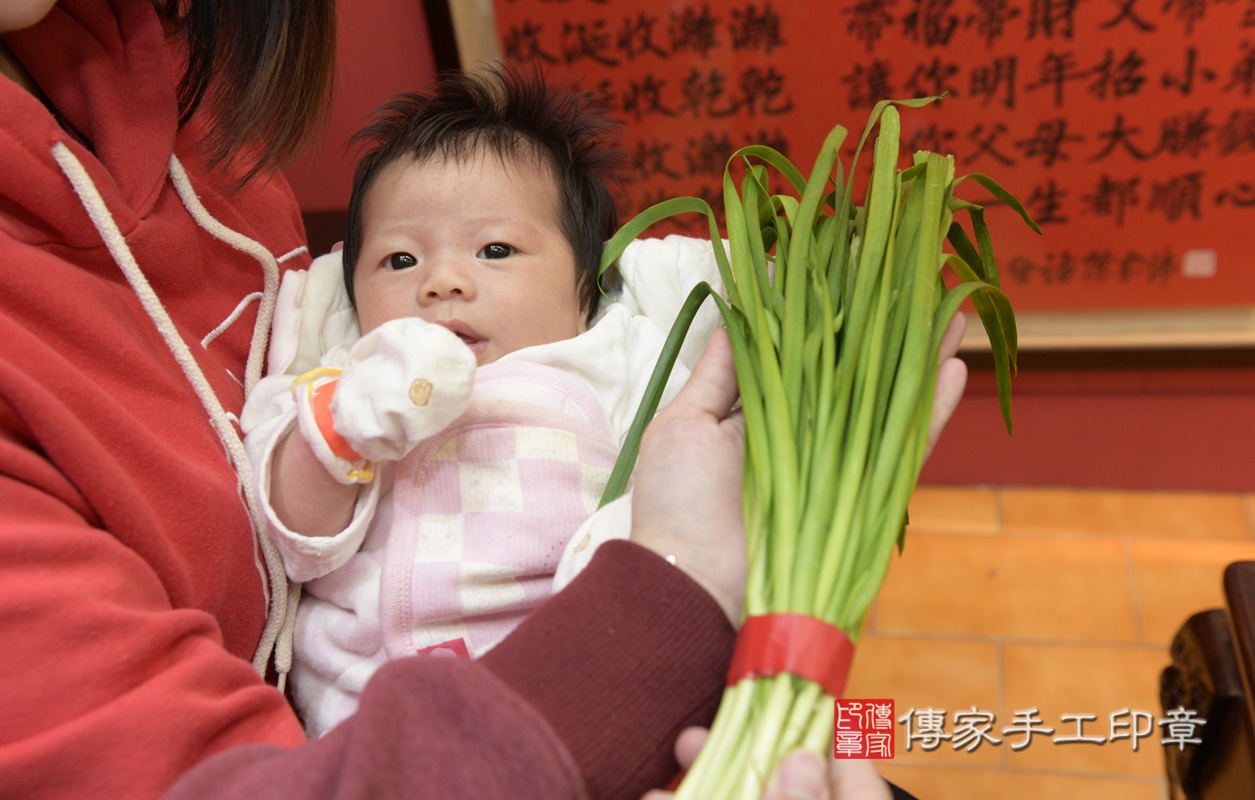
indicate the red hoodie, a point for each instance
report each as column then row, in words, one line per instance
column 132, row 593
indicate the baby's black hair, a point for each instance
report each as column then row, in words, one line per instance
column 512, row 114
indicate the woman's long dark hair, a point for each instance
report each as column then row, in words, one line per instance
column 262, row 69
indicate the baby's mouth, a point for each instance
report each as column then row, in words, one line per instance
column 463, row 331
column 468, row 335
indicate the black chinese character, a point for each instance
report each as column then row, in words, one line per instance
column 709, row 154
column 650, row 158
column 1185, row 82
column 1152, row 266
column 522, row 44
column 990, row 80
column 1126, row 12
column 703, row 93
column 1114, row 79
column 1120, row 135
column 985, row 141
column 868, row 84
column 1186, row 134
column 1021, row 269
column 752, row 29
column 580, row 41
column 990, row 19
column 1056, row 70
column 1243, row 73
column 636, row 37
column 930, row 22
column 1242, row 195
column 1112, row 198
column 1096, row 267
column 868, row 20
column 1047, row 142
column 931, row 138
column 694, row 30
column 762, row 91
column 1159, row 266
column 1048, row 17
column 1188, row 11
column 1045, row 204
column 932, row 79
column 1063, row 268
column 1237, row 134
column 644, row 96
column 1177, row 196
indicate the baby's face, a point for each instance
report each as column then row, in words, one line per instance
column 474, row 246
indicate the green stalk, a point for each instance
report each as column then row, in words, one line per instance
column 882, row 204
column 914, row 362
column 725, row 735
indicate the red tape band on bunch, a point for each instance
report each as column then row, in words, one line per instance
column 798, row 644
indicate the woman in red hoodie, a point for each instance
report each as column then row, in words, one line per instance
column 139, row 259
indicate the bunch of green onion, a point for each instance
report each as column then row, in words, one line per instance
column 835, row 313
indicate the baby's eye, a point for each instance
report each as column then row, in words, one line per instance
column 401, row 261
column 496, row 250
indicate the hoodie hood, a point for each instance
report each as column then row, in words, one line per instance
column 131, row 276
column 110, row 80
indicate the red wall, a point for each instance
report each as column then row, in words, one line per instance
column 384, row 48
column 1158, row 420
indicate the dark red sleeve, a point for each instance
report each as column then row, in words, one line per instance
column 620, row 666
column 582, row 700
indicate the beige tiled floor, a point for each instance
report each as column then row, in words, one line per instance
column 1058, row 600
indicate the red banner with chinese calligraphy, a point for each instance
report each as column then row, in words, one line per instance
column 1127, row 127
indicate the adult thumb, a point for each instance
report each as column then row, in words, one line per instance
column 802, row 775
column 712, row 388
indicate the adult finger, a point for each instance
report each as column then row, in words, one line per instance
column 689, row 744
column 953, row 337
column 711, row 390
column 951, row 378
column 802, row 775
column 857, row 779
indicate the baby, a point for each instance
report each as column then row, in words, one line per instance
column 424, row 482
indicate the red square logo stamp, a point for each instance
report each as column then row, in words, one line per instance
column 862, row 729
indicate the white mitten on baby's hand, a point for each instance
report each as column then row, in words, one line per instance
column 404, row 382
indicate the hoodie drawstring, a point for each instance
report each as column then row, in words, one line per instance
column 280, row 596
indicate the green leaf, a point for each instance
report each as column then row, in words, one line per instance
column 626, row 462
column 1002, row 194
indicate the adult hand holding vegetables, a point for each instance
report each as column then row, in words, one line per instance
column 687, row 503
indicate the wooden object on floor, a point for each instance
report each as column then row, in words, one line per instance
column 1213, row 663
